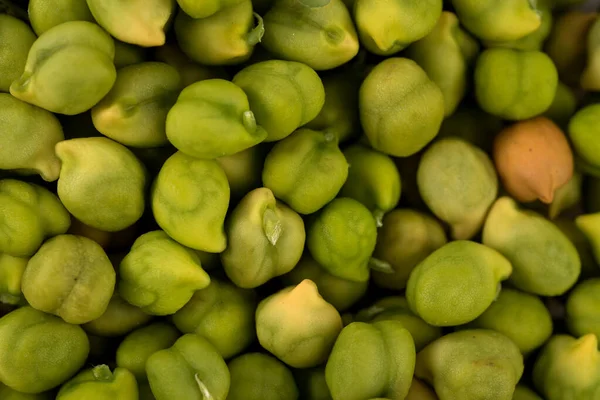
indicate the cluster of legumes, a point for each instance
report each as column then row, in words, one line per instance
column 299, row 199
